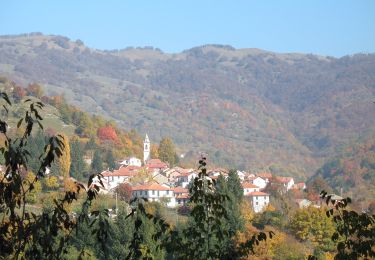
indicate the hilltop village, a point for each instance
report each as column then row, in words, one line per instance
column 154, row 180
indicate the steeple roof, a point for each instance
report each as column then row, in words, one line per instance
column 146, row 139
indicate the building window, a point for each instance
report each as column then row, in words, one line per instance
column 256, row 203
column 153, row 192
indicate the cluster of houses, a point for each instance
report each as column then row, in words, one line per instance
column 170, row 185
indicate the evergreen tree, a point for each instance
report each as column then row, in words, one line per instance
column 110, row 160
column 97, row 162
column 232, row 190
column 91, row 144
column 35, row 146
column 78, row 165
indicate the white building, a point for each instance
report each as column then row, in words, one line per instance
column 286, row 182
column 267, row 176
column 241, row 175
column 248, row 188
column 185, row 178
column 155, row 192
column 131, row 161
column 113, row 179
column 258, row 181
column 259, row 200
column 146, row 149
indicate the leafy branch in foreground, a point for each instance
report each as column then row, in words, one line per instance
column 23, row 234
column 355, row 232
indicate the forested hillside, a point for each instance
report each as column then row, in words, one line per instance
column 353, row 171
column 244, row 107
column 92, row 143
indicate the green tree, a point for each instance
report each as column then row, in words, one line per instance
column 234, row 222
column 110, row 160
column 78, row 165
column 35, row 145
column 311, row 224
column 97, row 162
column 206, row 226
column 167, row 152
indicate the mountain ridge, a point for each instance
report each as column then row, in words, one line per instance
column 247, row 110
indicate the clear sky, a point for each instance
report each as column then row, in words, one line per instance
column 324, row 27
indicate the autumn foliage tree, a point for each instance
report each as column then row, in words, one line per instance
column 124, row 191
column 167, row 151
column 107, row 133
column 64, row 161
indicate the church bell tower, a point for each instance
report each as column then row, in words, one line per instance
column 146, row 149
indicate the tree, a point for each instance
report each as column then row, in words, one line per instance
column 154, row 151
column 234, row 222
column 201, row 238
column 64, row 160
column 24, row 234
column 110, row 160
column 51, row 183
column 37, row 187
column 107, row 133
column 311, row 224
column 78, row 165
column 97, row 162
column 124, row 191
column 35, row 145
column 167, row 151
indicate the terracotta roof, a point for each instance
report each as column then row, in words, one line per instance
column 156, row 163
column 153, row 186
column 179, row 189
column 157, row 166
column 247, row 185
column 123, row 171
column 267, row 175
column 283, row 179
column 257, row 193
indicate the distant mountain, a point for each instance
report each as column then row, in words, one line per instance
column 244, row 107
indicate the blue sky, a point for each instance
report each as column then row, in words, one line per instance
column 324, row 27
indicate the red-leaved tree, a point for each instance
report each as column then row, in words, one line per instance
column 107, row 133
column 124, row 191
